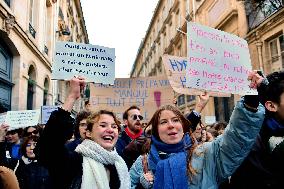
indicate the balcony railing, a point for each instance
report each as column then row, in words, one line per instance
column 32, row 30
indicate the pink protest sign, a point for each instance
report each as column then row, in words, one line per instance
column 218, row 61
column 176, row 72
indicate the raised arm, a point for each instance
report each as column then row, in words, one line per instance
column 59, row 128
column 229, row 150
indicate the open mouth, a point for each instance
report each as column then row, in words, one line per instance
column 172, row 134
column 108, row 138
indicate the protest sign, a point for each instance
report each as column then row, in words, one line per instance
column 45, row 113
column 147, row 93
column 2, row 118
column 21, row 119
column 95, row 63
column 176, row 71
column 218, row 61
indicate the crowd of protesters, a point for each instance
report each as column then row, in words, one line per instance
column 173, row 150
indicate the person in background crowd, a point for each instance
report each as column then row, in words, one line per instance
column 95, row 162
column 174, row 159
column 263, row 168
column 32, row 131
column 220, row 127
column 131, row 140
column 8, row 179
column 13, row 143
column 195, row 117
column 30, row 174
column 80, row 130
column 88, row 106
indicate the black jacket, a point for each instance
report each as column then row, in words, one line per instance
column 64, row 166
column 262, row 168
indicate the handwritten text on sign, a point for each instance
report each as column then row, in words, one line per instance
column 176, row 71
column 21, row 119
column 147, row 93
column 95, row 63
column 218, row 61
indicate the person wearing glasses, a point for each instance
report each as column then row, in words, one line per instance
column 95, row 162
column 80, row 129
column 174, row 160
column 30, row 174
column 131, row 140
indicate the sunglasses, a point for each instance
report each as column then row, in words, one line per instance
column 135, row 117
column 35, row 132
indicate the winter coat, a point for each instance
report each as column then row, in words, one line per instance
column 32, row 176
column 215, row 161
column 262, row 168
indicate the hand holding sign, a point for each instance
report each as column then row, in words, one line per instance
column 77, row 84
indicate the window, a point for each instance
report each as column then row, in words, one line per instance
column 181, row 100
column 31, row 88
column 190, row 98
column 276, row 52
column 45, row 91
column 32, row 18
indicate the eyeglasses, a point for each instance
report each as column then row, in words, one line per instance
column 35, row 132
column 135, row 117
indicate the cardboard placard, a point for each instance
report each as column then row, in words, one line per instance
column 218, row 61
column 147, row 93
column 95, row 63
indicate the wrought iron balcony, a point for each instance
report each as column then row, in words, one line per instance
column 32, row 30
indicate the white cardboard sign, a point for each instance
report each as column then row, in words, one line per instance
column 95, row 63
column 218, row 61
column 21, row 119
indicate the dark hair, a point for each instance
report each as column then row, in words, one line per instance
column 220, row 125
column 37, row 128
column 186, row 124
column 26, row 141
column 19, row 131
column 86, row 102
column 273, row 90
column 80, row 116
column 93, row 118
column 125, row 114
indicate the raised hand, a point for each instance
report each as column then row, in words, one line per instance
column 203, row 100
column 3, row 130
column 255, row 79
column 77, row 84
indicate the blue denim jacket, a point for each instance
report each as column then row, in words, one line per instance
column 217, row 160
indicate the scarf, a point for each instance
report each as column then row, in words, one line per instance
column 95, row 158
column 168, row 163
column 274, row 127
column 133, row 136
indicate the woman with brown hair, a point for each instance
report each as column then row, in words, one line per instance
column 175, row 161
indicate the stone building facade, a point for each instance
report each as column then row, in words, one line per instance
column 28, row 32
column 166, row 34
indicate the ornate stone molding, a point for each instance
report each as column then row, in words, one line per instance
column 9, row 23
